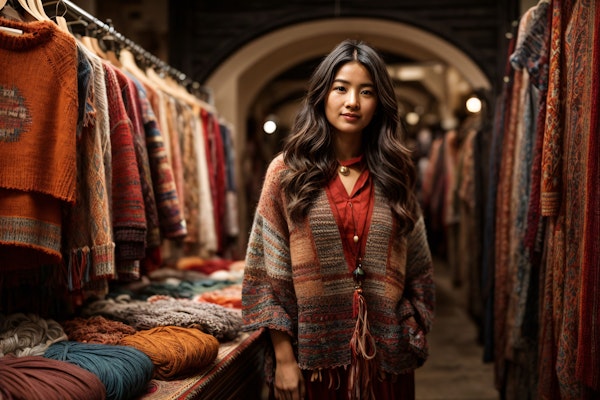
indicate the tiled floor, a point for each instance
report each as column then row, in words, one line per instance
column 454, row 370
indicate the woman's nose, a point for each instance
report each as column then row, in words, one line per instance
column 352, row 100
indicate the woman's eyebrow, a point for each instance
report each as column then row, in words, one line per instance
column 347, row 82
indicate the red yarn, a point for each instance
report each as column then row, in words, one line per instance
column 40, row 378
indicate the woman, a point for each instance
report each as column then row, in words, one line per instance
column 337, row 267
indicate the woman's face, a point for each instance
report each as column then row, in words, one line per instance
column 351, row 101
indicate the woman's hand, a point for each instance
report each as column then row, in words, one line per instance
column 289, row 382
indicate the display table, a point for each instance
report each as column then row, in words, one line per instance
column 237, row 373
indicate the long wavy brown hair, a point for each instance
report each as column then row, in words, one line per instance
column 308, row 151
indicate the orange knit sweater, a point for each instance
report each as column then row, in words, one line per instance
column 38, row 119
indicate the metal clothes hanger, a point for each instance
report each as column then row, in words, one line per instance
column 60, row 19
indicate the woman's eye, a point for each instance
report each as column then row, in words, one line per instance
column 339, row 89
column 367, row 92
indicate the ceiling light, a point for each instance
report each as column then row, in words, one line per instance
column 270, row 127
column 412, row 118
column 473, row 104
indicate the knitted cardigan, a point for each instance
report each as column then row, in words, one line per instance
column 88, row 244
column 297, row 280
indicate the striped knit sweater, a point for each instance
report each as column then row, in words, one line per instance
column 297, row 280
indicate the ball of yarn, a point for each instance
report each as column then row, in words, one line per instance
column 124, row 371
column 28, row 334
column 175, row 351
column 39, row 378
column 96, row 329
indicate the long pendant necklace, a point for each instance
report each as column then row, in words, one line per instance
column 358, row 274
column 362, row 343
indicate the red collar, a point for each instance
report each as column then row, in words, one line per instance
column 352, row 161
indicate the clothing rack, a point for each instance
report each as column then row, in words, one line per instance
column 138, row 50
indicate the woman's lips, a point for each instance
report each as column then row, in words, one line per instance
column 350, row 117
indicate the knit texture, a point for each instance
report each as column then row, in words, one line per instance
column 168, row 203
column 296, row 280
column 213, row 319
column 30, row 229
column 96, row 329
column 38, row 120
column 131, row 101
column 38, row 110
column 128, row 213
column 89, row 246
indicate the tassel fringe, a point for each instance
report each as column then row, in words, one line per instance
column 78, row 268
column 335, row 381
column 364, row 350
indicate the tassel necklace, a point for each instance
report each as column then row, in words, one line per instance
column 362, row 343
column 354, row 209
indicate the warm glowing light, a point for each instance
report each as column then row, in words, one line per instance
column 473, row 104
column 270, row 127
column 412, row 118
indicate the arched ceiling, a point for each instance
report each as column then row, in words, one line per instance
column 271, row 70
column 240, row 79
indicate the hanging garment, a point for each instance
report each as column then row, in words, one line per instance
column 38, row 120
column 88, row 243
column 128, row 213
column 168, row 203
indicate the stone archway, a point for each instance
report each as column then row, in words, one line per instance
column 238, row 80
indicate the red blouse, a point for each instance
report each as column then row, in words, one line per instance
column 352, row 214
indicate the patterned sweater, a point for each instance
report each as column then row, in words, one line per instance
column 297, row 280
column 38, row 121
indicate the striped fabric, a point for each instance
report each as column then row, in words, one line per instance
column 128, row 214
column 168, row 204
